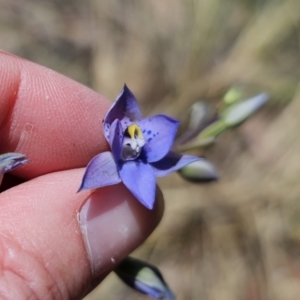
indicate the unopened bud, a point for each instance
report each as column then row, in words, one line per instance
column 199, row 171
column 239, row 112
column 144, row 278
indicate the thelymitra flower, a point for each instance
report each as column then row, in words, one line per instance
column 140, row 150
column 11, row 161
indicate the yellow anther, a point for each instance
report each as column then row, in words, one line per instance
column 135, row 131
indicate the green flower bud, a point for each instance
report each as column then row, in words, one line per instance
column 144, row 278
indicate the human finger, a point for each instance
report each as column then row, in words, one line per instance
column 54, row 120
column 56, row 243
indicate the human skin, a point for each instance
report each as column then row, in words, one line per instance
column 57, row 123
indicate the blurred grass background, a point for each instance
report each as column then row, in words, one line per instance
column 238, row 238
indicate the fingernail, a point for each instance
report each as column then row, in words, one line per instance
column 113, row 224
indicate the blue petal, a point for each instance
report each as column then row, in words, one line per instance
column 159, row 132
column 139, row 178
column 172, row 162
column 116, row 139
column 101, row 171
column 10, row 161
column 125, row 109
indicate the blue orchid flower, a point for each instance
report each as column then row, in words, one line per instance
column 140, row 150
column 11, row 161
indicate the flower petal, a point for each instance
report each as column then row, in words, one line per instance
column 139, row 178
column 125, row 109
column 101, row 171
column 116, row 139
column 10, row 161
column 172, row 162
column 159, row 132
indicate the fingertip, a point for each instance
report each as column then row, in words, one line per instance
column 122, row 221
column 54, row 120
column 51, row 223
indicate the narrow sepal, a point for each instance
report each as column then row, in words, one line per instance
column 139, row 178
column 124, row 108
column 101, row 171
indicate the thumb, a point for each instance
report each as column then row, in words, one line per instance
column 56, row 243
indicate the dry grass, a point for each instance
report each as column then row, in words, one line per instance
column 235, row 239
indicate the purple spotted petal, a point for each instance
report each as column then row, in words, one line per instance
column 172, row 162
column 116, row 139
column 139, row 178
column 125, row 109
column 159, row 132
column 101, row 171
